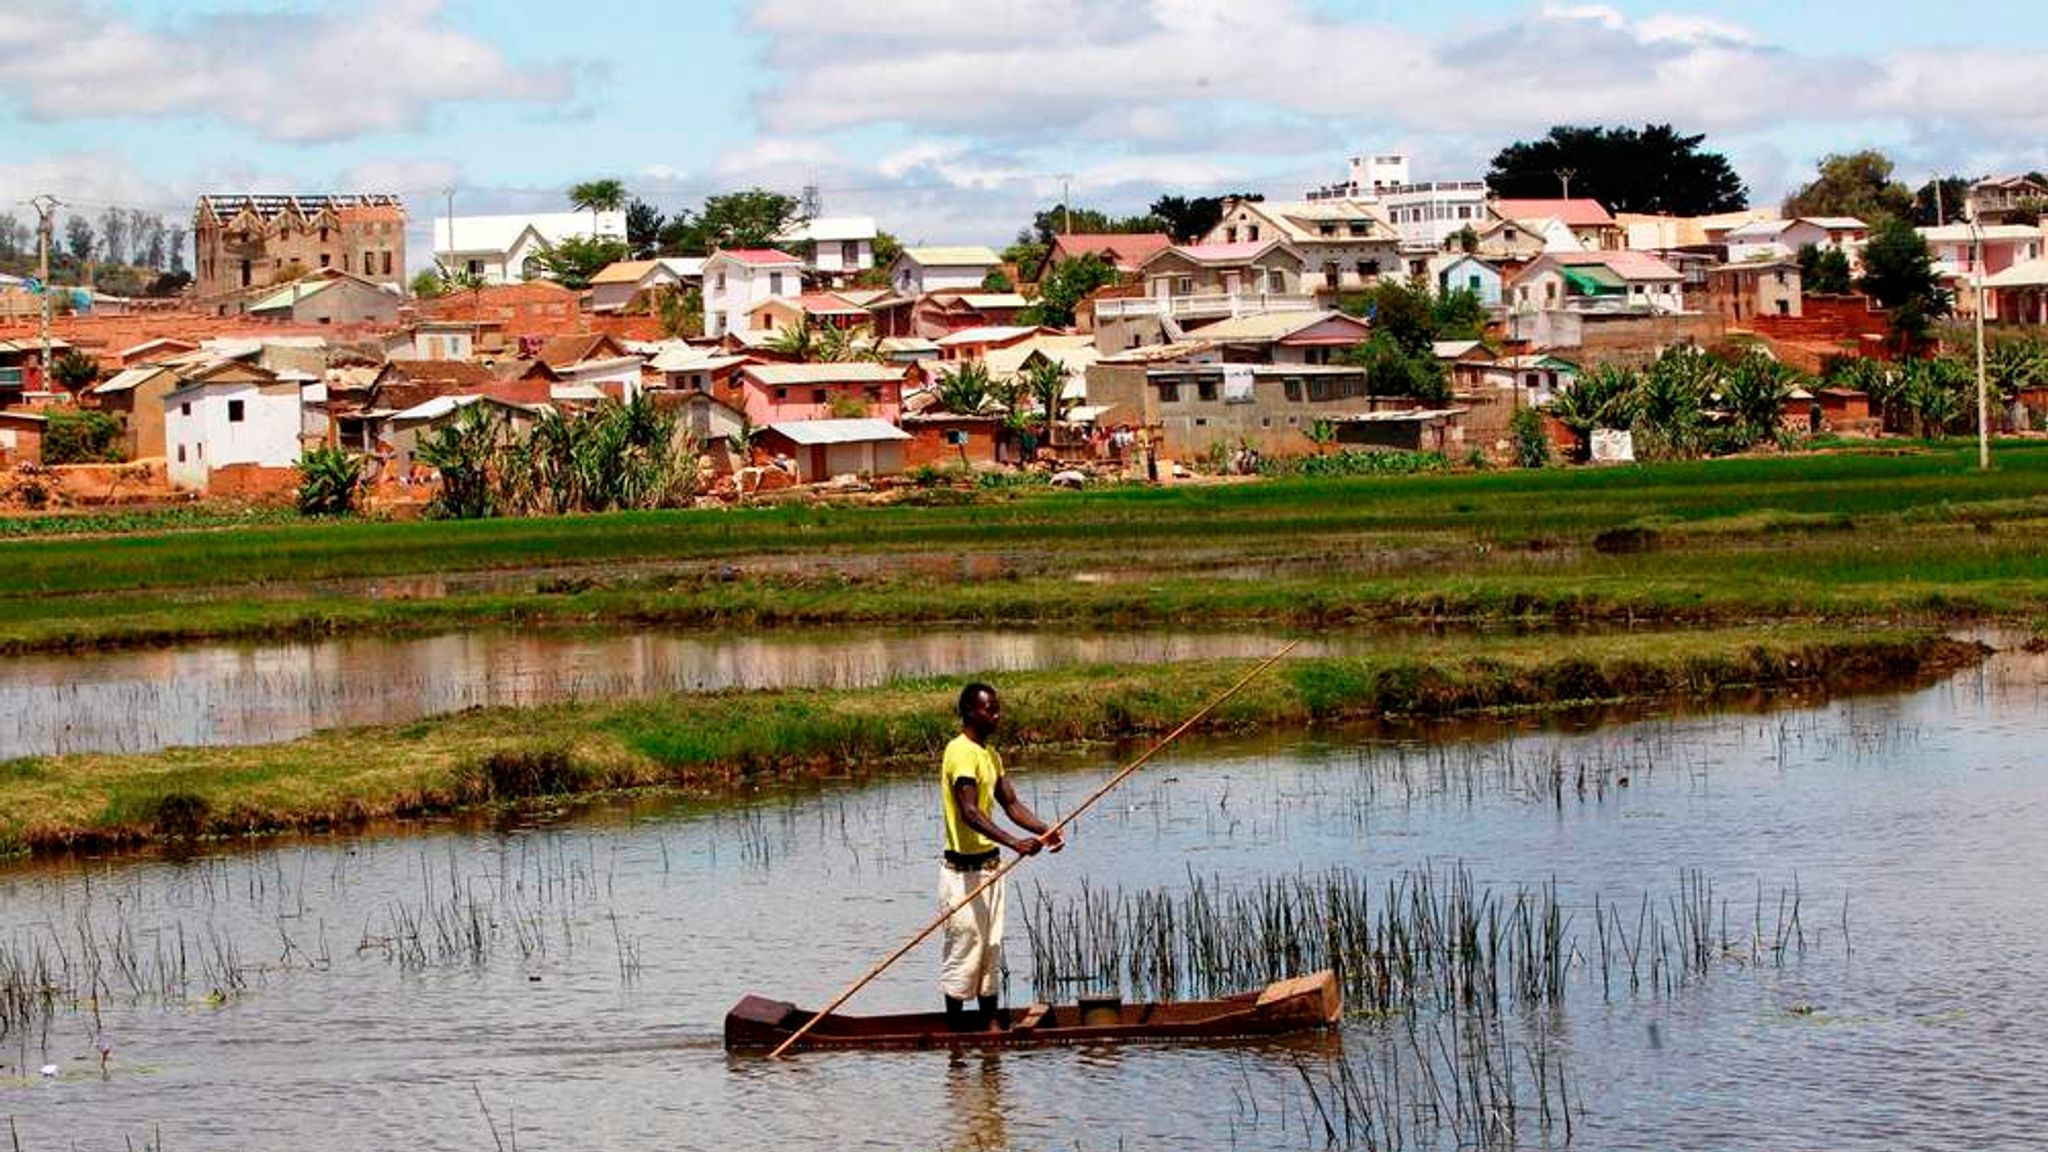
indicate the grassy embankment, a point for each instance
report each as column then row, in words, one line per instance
column 715, row 741
column 1880, row 537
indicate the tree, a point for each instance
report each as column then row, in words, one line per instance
column 595, row 196
column 114, row 236
column 1404, row 312
column 79, row 237
column 75, row 371
column 1045, row 382
column 1065, row 285
column 1458, row 315
column 643, row 228
column 1823, row 270
column 1188, row 220
column 1657, row 169
column 1755, row 389
column 1058, row 220
column 1671, row 401
column 1391, row 370
column 1940, row 201
column 997, row 281
column 1898, row 273
column 427, row 284
column 174, row 241
column 755, row 218
column 572, row 262
column 1028, row 256
column 1855, row 184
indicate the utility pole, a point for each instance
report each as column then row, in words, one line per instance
column 46, row 211
column 1564, row 177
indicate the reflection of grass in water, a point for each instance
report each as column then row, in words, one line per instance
column 349, row 776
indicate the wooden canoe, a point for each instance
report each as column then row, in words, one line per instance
column 1298, row 1005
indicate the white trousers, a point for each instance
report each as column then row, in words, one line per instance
column 973, row 962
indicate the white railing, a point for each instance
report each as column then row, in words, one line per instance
column 1218, row 304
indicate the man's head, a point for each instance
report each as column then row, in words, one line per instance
column 980, row 710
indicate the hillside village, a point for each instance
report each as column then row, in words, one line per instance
column 1378, row 314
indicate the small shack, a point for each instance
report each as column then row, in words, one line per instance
column 1410, row 430
column 822, row 449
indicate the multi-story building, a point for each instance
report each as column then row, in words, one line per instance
column 1371, row 176
column 250, row 242
column 1346, row 245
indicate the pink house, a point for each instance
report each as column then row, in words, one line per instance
column 776, row 393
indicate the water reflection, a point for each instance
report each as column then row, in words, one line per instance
column 362, row 992
column 241, row 694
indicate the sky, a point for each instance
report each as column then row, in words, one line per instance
column 952, row 122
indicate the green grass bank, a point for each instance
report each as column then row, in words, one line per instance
column 714, row 742
column 1915, row 535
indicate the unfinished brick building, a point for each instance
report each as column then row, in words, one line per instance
column 244, row 243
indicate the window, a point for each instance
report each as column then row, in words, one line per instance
column 1169, row 392
column 1508, row 234
column 1184, row 286
column 181, row 453
column 1327, row 229
column 818, row 395
column 323, row 233
column 325, row 259
column 1472, row 283
column 1230, row 235
column 1292, row 388
column 775, row 283
column 720, row 283
column 1206, row 390
column 849, row 253
column 185, row 409
column 387, row 261
column 781, row 394
column 476, row 267
column 234, row 411
column 1361, row 228
column 1319, row 389
column 245, row 273
column 1277, row 281
column 1252, row 233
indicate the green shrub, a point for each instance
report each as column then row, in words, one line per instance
column 80, row 436
column 1532, row 446
column 329, row 479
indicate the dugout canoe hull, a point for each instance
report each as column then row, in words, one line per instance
column 1303, row 1004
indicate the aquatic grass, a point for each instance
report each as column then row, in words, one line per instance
column 714, row 741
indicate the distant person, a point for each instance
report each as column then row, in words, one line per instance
column 972, row 782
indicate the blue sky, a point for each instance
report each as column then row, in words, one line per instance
column 953, row 121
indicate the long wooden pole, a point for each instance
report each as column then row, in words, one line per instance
column 1008, row 866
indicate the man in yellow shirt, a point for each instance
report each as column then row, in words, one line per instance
column 972, row 782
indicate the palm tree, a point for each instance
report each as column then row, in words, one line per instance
column 799, row 341
column 597, row 196
column 966, row 389
column 1755, row 390
column 1673, row 396
column 1045, row 381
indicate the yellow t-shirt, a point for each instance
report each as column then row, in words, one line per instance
column 966, row 760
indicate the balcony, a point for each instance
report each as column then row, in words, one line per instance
column 1209, row 307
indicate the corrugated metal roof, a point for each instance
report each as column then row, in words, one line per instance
column 856, row 372
column 956, row 255
column 852, row 431
column 986, row 334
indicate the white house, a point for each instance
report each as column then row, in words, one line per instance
column 1428, row 213
column 1782, row 239
column 501, row 249
column 840, row 247
column 230, row 413
column 916, row 271
column 737, row 279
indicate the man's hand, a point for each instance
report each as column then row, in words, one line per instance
column 1053, row 839
column 1026, row 845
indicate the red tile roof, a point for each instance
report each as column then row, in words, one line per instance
column 1126, row 250
column 1577, row 212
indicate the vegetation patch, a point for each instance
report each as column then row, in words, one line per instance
column 714, row 742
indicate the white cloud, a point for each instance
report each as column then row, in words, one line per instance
column 346, row 71
column 1039, row 74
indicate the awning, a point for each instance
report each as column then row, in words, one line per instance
column 1087, row 413
column 1594, row 281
